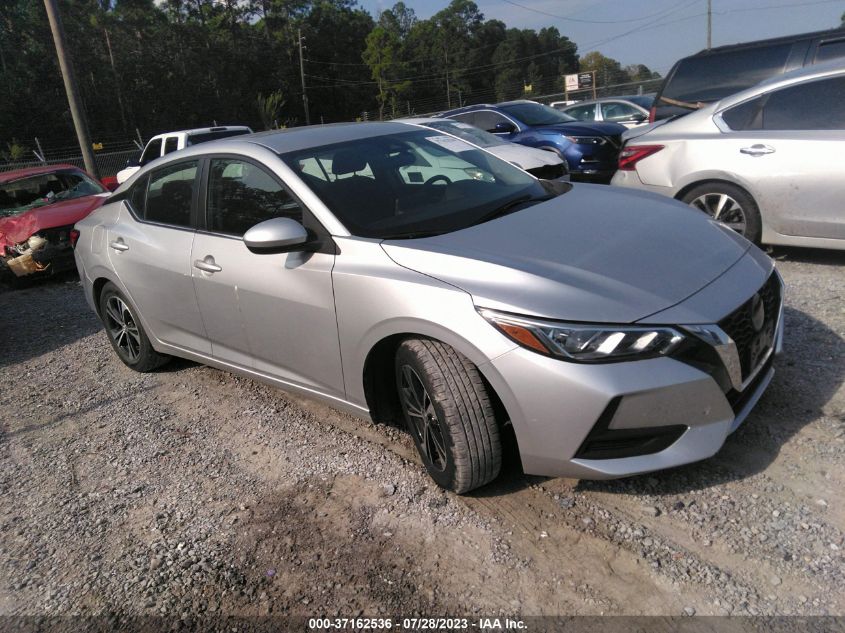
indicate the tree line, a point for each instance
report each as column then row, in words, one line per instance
column 153, row 66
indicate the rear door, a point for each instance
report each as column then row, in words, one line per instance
column 150, row 248
column 789, row 147
column 271, row 312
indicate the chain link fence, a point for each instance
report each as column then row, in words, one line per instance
column 111, row 156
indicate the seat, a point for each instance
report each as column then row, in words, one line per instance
column 360, row 197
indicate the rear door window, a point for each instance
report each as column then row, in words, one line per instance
column 817, row 105
column 170, row 194
column 745, row 116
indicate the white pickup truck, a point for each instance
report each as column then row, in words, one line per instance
column 162, row 144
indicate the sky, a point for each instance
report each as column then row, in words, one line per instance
column 652, row 32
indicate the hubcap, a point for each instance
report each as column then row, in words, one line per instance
column 424, row 422
column 723, row 208
column 122, row 328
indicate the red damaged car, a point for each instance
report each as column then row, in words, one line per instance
column 38, row 208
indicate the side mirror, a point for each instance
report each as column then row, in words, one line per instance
column 277, row 235
column 504, row 128
column 133, row 162
column 639, row 118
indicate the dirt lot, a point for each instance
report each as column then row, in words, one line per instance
column 193, row 492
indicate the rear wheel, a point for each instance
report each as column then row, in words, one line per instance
column 125, row 332
column 730, row 205
column 449, row 414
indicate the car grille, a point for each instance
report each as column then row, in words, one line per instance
column 548, row 172
column 753, row 343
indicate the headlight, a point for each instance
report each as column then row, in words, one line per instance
column 587, row 140
column 586, row 343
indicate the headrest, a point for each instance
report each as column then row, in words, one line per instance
column 347, row 161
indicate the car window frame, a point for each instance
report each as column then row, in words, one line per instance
column 309, row 219
column 147, row 177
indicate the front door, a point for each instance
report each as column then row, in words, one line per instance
column 271, row 312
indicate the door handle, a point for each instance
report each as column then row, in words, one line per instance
column 119, row 244
column 207, row 265
column 757, row 149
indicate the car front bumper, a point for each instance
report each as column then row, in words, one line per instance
column 661, row 412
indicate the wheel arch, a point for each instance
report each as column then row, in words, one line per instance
column 685, row 189
column 379, row 382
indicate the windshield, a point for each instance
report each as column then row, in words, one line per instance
column 27, row 193
column 411, row 184
column 536, row 114
column 467, row 132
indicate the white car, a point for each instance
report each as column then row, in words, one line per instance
column 162, row 144
column 537, row 162
column 766, row 161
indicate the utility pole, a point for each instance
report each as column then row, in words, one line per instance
column 75, row 103
column 302, row 75
column 709, row 24
column 448, row 90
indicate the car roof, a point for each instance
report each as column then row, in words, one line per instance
column 784, row 39
column 298, row 138
column 17, row 174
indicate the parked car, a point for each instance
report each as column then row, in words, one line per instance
column 38, row 208
column 714, row 74
column 629, row 111
column 591, row 149
column 538, row 163
column 767, row 161
column 614, row 332
column 163, row 144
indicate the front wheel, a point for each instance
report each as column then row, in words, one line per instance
column 125, row 332
column 449, row 414
column 730, row 205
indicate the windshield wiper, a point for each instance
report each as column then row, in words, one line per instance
column 510, row 206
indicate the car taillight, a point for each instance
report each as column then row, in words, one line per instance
column 652, row 114
column 632, row 154
column 74, row 236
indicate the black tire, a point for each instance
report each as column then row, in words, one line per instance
column 125, row 332
column 458, row 409
column 707, row 195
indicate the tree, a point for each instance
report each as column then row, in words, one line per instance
column 269, row 108
column 608, row 71
column 381, row 55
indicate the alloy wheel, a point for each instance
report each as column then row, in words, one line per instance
column 424, row 421
column 723, row 208
column 122, row 328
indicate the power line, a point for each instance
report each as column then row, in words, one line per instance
column 582, row 21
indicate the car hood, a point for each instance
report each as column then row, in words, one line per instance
column 525, row 157
column 17, row 228
column 584, row 127
column 596, row 253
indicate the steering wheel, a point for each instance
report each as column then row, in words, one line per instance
column 437, row 178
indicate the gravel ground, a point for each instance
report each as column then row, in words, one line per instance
column 191, row 492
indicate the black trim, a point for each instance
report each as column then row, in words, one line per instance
column 602, row 442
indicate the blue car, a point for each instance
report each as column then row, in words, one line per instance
column 590, row 148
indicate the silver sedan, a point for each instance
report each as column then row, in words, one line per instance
column 767, row 161
column 400, row 273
